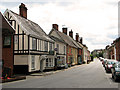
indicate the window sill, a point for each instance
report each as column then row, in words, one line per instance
column 33, row 69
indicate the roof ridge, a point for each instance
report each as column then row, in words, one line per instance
column 30, row 27
column 59, row 32
column 28, row 20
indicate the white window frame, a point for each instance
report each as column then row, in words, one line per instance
column 46, row 45
column 50, row 46
column 34, row 42
column 32, row 62
column 49, row 62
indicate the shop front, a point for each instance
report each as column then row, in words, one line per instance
column 61, row 61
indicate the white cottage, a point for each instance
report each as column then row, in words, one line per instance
column 33, row 48
column 60, row 47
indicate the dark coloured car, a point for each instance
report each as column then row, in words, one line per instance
column 109, row 64
column 116, row 71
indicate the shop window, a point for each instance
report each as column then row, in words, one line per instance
column 7, row 42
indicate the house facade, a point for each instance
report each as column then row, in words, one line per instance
column 75, row 50
column 80, row 50
column 7, row 46
column 71, row 48
column 117, row 45
column 60, row 48
column 33, row 48
column 106, row 52
column 112, row 51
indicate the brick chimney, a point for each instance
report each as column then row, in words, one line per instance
column 81, row 40
column 55, row 26
column 23, row 10
column 64, row 30
column 77, row 37
column 71, row 33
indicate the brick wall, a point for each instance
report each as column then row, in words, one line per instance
column 118, row 49
column 7, row 56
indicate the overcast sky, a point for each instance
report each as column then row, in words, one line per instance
column 95, row 20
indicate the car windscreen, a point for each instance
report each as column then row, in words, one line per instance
column 111, row 62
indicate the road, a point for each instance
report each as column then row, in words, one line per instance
column 90, row 75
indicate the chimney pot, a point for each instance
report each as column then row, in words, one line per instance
column 81, row 40
column 71, row 33
column 55, row 26
column 23, row 10
column 77, row 37
column 64, row 30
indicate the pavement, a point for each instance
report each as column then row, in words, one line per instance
column 90, row 75
column 42, row 74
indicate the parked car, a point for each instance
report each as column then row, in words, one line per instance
column 109, row 63
column 103, row 62
column 116, row 71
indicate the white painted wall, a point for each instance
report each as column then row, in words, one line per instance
column 21, row 59
column 61, row 47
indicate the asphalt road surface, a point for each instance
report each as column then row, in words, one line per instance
column 90, row 75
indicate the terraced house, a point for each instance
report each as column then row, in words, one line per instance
column 33, row 48
column 80, row 50
column 60, row 47
column 71, row 44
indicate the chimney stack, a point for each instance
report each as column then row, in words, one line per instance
column 81, row 40
column 23, row 10
column 64, row 30
column 71, row 33
column 55, row 26
column 77, row 37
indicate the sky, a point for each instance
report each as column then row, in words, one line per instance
column 95, row 20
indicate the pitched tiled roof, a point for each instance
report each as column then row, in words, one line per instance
column 30, row 27
column 67, row 39
column 76, row 44
column 57, row 39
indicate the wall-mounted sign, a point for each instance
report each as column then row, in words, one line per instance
column 55, row 49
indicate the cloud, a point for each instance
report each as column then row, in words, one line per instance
column 94, row 20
